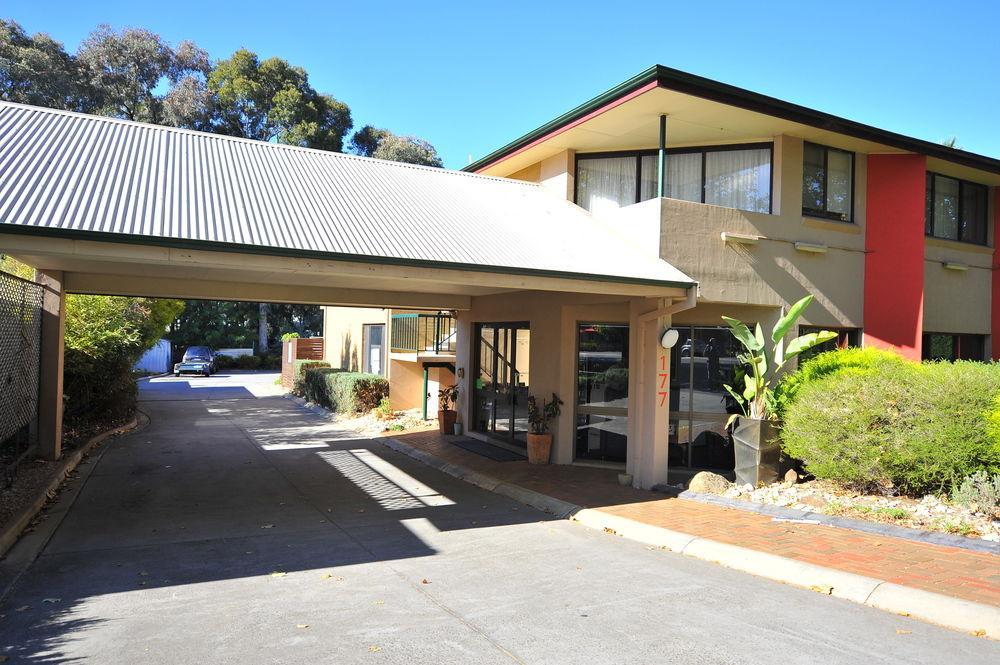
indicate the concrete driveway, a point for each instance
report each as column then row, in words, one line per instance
column 249, row 530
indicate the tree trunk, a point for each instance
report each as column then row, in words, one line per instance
column 262, row 328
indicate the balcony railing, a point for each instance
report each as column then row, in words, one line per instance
column 423, row 333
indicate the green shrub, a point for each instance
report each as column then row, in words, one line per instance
column 843, row 361
column 105, row 336
column 248, row 362
column 298, row 369
column 270, row 361
column 384, row 409
column 344, row 392
column 906, row 427
column 222, row 361
column 980, row 490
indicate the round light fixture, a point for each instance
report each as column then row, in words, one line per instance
column 669, row 338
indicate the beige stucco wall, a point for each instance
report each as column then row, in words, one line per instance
column 343, row 334
column 957, row 301
column 773, row 273
column 552, row 319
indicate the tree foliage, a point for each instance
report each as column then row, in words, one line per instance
column 124, row 69
column 271, row 100
column 382, row 144
column 223, row 324
column 38, row 70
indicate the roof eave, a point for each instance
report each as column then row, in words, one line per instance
column 699, row 86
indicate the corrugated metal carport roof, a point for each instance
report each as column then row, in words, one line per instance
column 77, row 175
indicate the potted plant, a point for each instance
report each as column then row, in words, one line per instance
column 539, row 437
column 447, row 415
column 757, row 447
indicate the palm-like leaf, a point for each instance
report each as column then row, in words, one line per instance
column 742, row 334
column 785, row 323
column 806, row 342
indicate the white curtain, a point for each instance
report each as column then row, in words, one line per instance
column 739, row 179
column 604, row 185
column 683, row 177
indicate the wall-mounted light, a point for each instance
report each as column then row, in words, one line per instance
column 955, row 265
column 669, row 338
column 811, row 247
column 739, row 238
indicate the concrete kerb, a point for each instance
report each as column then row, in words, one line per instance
column 975, row 618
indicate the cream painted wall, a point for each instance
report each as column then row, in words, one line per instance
column 552, row 319
column 343, row 334
column 558, row 173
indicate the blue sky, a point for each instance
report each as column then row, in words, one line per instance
column 471, row 76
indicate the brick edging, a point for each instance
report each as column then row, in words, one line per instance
column 13, row 530
column 877, row 528
column 936, row 608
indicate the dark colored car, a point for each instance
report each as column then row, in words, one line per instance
column 196, row 360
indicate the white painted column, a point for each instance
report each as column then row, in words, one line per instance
column 649, row 398
column 50, row 370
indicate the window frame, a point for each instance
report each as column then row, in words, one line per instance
column 956, row 346
column 702, row 150
column 931, row 180
column 825, row 213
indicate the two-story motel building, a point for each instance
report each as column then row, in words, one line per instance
column 760, row 201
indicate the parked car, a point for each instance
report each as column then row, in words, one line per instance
column 196, row 360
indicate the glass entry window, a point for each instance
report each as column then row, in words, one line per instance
column 602, row 392
column 500, row 385
column 700, row 364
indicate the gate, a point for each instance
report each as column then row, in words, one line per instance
column 20, row 341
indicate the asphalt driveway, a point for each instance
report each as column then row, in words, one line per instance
column 245, row 529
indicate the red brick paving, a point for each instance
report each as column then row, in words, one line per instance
column 953, row 571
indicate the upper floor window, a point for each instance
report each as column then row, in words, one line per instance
column 827, row 182
column 956, row 209
column 730, row 176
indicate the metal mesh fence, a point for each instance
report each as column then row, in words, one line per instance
column 20, row 332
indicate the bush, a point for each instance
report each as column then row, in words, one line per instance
column 298, row 369
column 855, row 361
column 247, row 362
column 270, row 360
column 980, row 490
column 222, row 361
column 906, row 427
column 105, row 336
column 344, row 392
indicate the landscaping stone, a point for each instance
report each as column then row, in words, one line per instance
column 931, row 513
column 707, row 482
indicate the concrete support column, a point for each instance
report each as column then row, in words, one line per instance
column 50, row 371
column 649, row 398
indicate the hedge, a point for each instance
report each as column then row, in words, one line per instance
column 859, row 362
column 905, row 428
column 300, row 366
column 344, row 392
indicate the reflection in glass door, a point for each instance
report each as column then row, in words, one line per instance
column 700, row 364
column 602, row 392
column 500, row 387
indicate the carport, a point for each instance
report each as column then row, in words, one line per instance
column 105, row 206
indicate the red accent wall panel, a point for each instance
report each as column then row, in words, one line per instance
column 995, row 299
column 894, row 262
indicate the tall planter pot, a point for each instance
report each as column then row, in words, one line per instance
column 757, row 449
column 539, row 448
column 446, row 421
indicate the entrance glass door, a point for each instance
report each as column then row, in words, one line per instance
column 500, row 387
column 699, row 405
column 602, row 392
